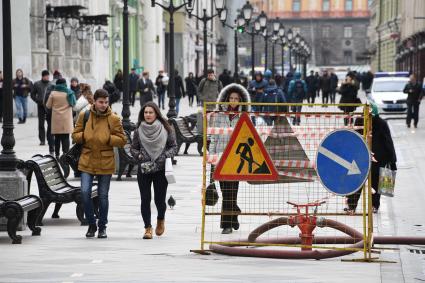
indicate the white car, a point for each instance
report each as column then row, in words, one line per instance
column 387, row 94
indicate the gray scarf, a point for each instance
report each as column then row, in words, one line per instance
column 153, row 138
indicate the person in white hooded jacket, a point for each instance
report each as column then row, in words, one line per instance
column 84, row 102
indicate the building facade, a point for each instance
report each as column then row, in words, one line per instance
column 335, row 29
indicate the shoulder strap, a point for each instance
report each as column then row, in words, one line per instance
column 86, row 118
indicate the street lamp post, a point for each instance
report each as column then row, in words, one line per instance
column 283, row 40
column 171, row 9
column 8, row 160
column 239, row 22
column 220, row 6
column 125, row 113
column 276, row 29
column 290, row 38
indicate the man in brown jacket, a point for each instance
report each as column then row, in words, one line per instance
column 102, row 131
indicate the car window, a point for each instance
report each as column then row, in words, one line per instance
column 389, row 86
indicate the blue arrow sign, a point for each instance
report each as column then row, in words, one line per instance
column 343, row 162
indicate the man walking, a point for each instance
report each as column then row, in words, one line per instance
column 414, row 97
column 37, row 95
column 334, row 86
column 146, row 88
column 209, row 88
column 50, row 138
column 297, row 91
column 311, row 87
column 160, row 89
column 133, row 78
column 99, row 135
column 325, row 85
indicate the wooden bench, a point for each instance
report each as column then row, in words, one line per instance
column 185, row 135
column 53, row 187
column 14, row 211
column 125, row 158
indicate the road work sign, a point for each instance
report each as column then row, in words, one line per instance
column 245, row 157
column 343, row 162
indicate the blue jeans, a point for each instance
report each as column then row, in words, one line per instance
column 177, row 105
column 161, row 99
column 102, row 191
column 21, row 104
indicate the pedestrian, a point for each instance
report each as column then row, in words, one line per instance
column 179, row 91
column 234, row 94
column 21, row 88
column 153, row 142
column 160, row 89
column 325, row 86
column 191, row 88
column 334, row 86
column 102, row 132
column 84, row 102
column 132, row 80
column 289, row 77
column 75, row 87
column 113, row 91
column 256, row 90
column 209, row 88
column 225, row 78
column 268, row 75
column 50, row 138
column 316, row 75
column 272, row 94
column 1, row 97
column 348, row 91
column 383, row 154
column 38, row 93
column 61, row 101
column 414, row 96
column 119, row 81
column 296, row 92
column 146, row 88
column 311, row 87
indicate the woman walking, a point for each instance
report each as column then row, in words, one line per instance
column 348, row 91
column 153, row 142
column 233, row 93
column 191, row 88
column 84, row 102
column 61, row 101
column 21, row 89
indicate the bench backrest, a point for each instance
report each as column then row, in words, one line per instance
column 182, row 126
column 128, row 143
column 48, row 172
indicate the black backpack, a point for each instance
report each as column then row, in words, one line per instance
column 299, row 92
column 114, row 93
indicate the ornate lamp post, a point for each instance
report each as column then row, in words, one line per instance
column 290, row 37
column 220, row 6
column 171, row 9
column 276, row 29
column 283, row 44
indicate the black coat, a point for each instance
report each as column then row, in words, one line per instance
column 146, row 90
column 311, row 83
column 178, row 87
column 382, row 143
column 132, row 82
column 191, row 86
column 118, row 82
column 348, row 95
column 325, row 83
column 414, row 92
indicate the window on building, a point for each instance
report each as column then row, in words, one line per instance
column 348, row 5
column 326, row 31
column 348, row 32
column 348, row 57
column 326, row 5
column 296, row 5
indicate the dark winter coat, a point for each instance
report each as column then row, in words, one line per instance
column 325, row 84
column 191, row 86
column 118, row 82
column 311, row 84
column 414, row 92
column 273, row 94
column 178, row 87
column 132, row 80
column 348, row 95
column 38, row 91
column 146, row 90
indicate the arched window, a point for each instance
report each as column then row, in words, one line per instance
column 348, row 5
column 296, row 5
column 326, row 5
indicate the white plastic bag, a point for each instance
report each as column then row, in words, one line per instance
column 169, row 173
column 386, row 181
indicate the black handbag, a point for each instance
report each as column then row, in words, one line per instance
column 211, row 194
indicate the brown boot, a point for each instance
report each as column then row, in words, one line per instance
column 160, row 227
column 148, row 233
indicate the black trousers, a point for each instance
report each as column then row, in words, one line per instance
column 160, row 185
column 50, row 137
column 61, row 139
column 1, row 105
column 333, row 96
column 325, row 97
column 353, row 199
column 41, row 111
column 311, row 96
column 133, row 97
column 412, row 113
column 229, row 192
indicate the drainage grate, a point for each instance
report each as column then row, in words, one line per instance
column 416, row 251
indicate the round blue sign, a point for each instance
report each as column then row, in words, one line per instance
column 343, row 162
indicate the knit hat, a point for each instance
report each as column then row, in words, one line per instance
column 374, row 109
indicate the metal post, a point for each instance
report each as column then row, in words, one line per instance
column 126, row 101
column 379, row 52
column 290, row 59
column 283, row 60
column 205, row 21
column 273, row 58
column 8, row 160
column 172, row 95
column 253, row 53
column 266, row 55
column 236, row 54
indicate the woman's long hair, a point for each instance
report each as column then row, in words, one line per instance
column 158, row 115
column 85, row 90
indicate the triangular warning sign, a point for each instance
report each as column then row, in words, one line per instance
column 245, row 157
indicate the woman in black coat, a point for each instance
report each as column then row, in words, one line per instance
column 348, row 91
column 191, row 88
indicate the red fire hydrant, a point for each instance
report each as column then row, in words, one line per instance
column 306, row 223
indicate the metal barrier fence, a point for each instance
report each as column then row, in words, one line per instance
column 266, row 215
